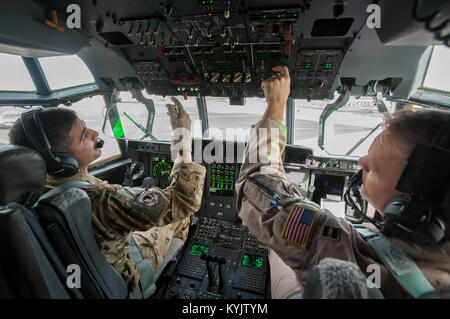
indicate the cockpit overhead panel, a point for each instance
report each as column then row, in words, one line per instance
column 226, row 47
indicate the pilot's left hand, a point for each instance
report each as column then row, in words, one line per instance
column 178, row 116
column 181, row 129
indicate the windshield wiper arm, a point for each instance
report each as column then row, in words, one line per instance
column 140, row 127
column 362, row 140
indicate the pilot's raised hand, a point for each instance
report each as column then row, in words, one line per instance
column 276, row 90
column 181, row 129
column 178, row 116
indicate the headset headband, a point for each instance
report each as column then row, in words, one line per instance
column 58, row 164
column 34, row 131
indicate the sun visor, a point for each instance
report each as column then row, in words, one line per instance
column 27, row 34
column 406, row 22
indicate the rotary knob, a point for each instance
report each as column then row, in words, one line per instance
column 173, row 293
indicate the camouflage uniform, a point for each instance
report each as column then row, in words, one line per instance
column 328, row 235
column 151, row 216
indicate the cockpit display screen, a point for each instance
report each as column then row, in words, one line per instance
column 222, row 180
column 161, row 166
column 197, row 250
column 328, row 185
column 253, row 261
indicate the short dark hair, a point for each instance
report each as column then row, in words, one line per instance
column 421, row 127
column 57, row 122
column 416, row 127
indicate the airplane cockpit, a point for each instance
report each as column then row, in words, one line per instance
column 351, row 64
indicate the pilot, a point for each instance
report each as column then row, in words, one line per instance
column 150, row 217
column 300, row 235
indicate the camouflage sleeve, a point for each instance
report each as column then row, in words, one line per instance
column 301, row 233
column 127, row 209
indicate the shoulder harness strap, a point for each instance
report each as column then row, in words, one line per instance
column 400, row 264
column 61, row 188
column 146, row 285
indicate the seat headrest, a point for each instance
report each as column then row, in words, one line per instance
column 22, row 171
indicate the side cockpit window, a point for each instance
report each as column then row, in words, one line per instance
column 14, row 75
column 65, row 71
column 438, row 72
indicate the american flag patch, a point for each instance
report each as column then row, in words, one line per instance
column 298, row 225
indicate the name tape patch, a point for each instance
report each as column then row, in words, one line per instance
column 298, row 225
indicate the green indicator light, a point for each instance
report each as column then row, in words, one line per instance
column 307, row 66
column 197, row 250
column 211, row 57
column 279, row 16
column 204, row 2
column 264, row 17
column 223, row 66
column 200, row 57
column 252, row 261
column 261, row 56
column 230, row 57
column 295, row 14
column 242, row 56
column 328, row 66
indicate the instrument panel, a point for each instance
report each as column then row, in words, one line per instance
column 221, row 258
column 225, row 48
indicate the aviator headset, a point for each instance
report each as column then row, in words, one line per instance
column 58, row 164
column 413, row 216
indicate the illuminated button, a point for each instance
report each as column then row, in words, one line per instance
column 220, row 205
column 237, row 77
column 228, row 206
column 215, row 79
column 226, row 78
column 212, row 204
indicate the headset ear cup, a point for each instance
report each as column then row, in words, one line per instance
column 435, row 230
column 399, row 216
column 394, row 210
column 394, row 215
column 64, row 165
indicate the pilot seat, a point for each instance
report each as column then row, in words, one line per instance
column 43, row 244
